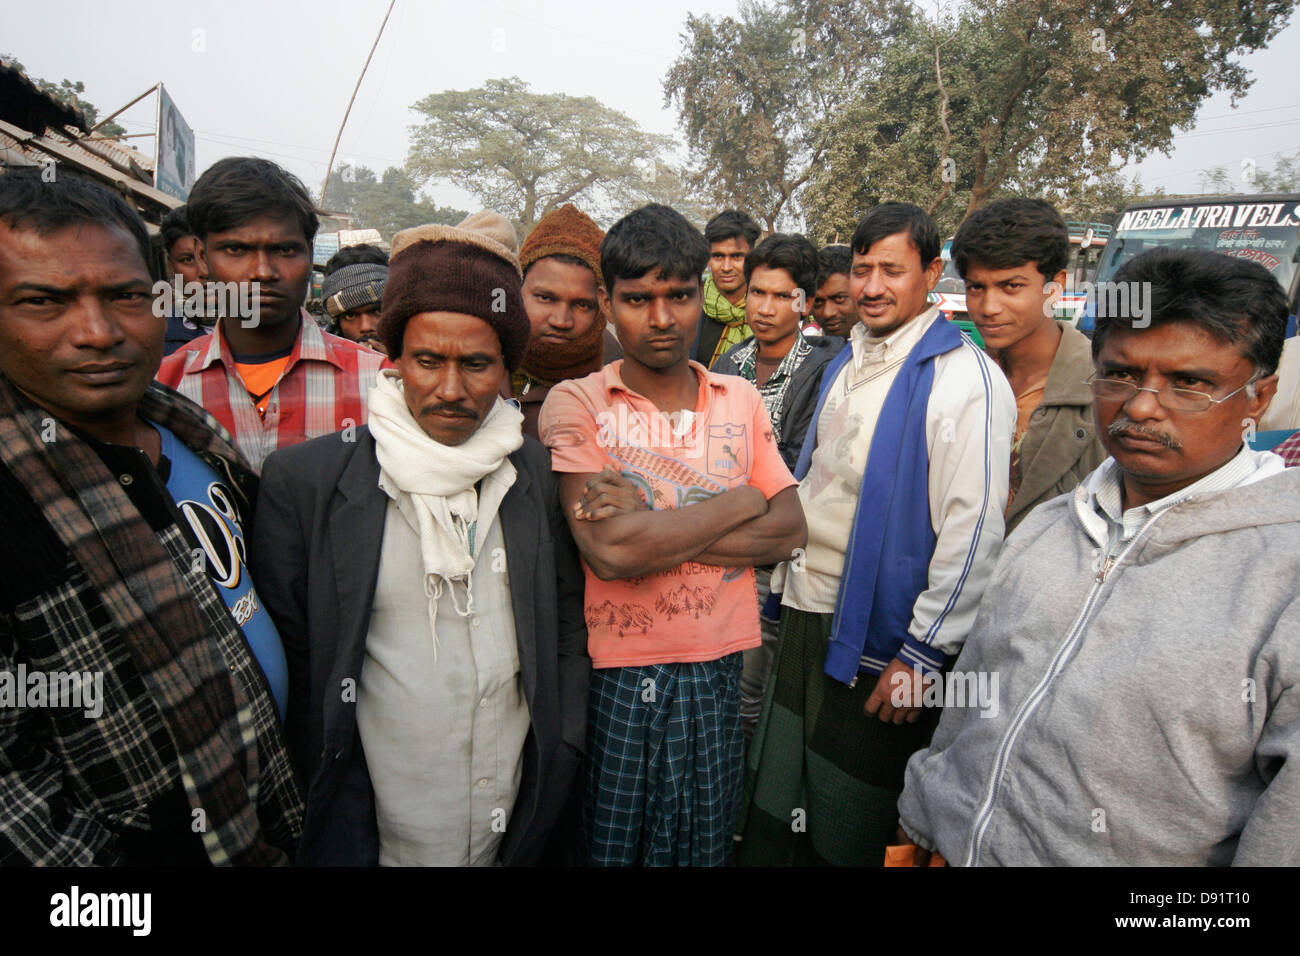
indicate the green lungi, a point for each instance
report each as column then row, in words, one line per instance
column 822, row 779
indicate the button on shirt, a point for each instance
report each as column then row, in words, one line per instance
column 443, row 729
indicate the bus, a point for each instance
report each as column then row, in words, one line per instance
column 1263, row 228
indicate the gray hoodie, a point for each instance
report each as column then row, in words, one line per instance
column 1150, row 717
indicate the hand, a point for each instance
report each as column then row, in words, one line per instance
column 920, row 855
column 607, row 495
column 896, row 684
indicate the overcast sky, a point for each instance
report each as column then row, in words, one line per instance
column 273, row 77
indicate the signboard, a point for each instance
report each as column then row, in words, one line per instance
column 173, row 167
column 323, row 246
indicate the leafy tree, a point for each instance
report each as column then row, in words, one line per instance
column 524, row 154
column 1283, row 178
column 759, row 96
column 70, row 93
column 390, row 204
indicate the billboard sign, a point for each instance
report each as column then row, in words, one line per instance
column 173, row 168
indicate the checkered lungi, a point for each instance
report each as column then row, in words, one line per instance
column 665, row 764
column 823, row 779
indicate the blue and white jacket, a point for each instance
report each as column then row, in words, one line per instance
column 928, row 525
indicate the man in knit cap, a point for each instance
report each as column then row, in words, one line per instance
column 427, row 588
column 569, row 339
column 353, row 291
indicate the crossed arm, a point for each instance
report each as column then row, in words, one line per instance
column 620, row 538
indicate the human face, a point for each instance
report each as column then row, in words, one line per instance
column 271, row 250
column 183, row 260
column 77, row 331
column 890, row 283
column 1010, row 305
column 452, row 369
column 362, row 326
column 833, row 306
column 774, row 308
column 727, row 263
column 655, row 318
column 561, row 301
column 1162, row 451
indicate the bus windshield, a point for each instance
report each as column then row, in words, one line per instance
column 1267, row 232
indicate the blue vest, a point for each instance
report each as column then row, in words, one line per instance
column 887, row 562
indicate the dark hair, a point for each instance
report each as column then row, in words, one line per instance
column 236, row 189
column 560, row 257
column 795, row 254
column 174, row 226
column 356, row 255
column 732, row 224
column 652, row 237
column 27, row 201
column 893, row 217
column 1011, row 232
column 1235, row 300
column 833, row 260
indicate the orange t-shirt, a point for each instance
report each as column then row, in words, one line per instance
column 693, row 612
column 260, row 379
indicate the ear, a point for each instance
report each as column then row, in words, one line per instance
column 1265, row 389
column 602, row 300
column 201, row 254
column 932, row 272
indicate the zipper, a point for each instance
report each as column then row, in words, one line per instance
column 1037, row 695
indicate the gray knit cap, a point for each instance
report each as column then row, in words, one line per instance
column 353, row 287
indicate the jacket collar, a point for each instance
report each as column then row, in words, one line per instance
column 1070, row 368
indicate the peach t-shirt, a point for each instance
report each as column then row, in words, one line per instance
column 693, row 612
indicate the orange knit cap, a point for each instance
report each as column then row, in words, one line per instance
column 565, row 231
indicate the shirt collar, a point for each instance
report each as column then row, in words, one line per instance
column 869, row 349
column 1105, row 494
column 310, row 345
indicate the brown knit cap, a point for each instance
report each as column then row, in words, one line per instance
column 565, row 231
column 470, row 268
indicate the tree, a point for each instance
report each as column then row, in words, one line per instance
column 1037, row 95
column 524, row 154
column 758, row 97
column 389, row 204
column 70, row 93
column 1284, row 177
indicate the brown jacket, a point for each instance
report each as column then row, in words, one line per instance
column 1061, row 445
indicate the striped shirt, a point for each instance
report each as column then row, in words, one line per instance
column 1105, row 497
column 1289, row 450
column 322, row 390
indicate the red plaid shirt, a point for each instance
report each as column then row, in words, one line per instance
column 322, row 390
column 1290, row 450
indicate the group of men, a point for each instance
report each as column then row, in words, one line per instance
column 643, row 547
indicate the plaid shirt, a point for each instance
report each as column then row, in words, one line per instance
column 322, row 390
column 1289, row 450
column 774, row 389
column 186, row 712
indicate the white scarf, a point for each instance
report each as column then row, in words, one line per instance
column 433, row 484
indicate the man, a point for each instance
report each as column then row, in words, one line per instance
column 182, row 267
column 1144, row 628
column 269, row 375
column 904, row 472
column 569, row 338
column 427, row 587
column 128, row 505
column 786, row 367
column 833, row 307
column 1012, row 255
column 730, row 234
column 669, row 595
column 352, row 293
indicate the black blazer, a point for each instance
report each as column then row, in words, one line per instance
column 315, row 554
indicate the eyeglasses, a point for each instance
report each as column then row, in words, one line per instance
column 1173, row 399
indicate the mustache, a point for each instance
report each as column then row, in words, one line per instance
column 446, row 408
column 1126, row 426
